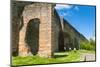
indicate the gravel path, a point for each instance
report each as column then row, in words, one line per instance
column 87, row 57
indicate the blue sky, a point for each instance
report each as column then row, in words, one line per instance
column 80, row 17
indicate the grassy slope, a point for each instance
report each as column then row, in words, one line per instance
column 60, row 57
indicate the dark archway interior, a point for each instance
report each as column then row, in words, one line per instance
column 76, row 43
column 61, row 41
column 32, row 35
column 67, row 41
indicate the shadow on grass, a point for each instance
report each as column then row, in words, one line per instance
column 58, row 56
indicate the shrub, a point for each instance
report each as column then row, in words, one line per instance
column 88, row 45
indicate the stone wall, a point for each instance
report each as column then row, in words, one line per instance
column 56, row 27
column 74, row 36
column 15, row 26
column 43, row 12
column 37, row 29
column 15, row 31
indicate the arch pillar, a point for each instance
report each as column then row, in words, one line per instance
column 44, row 12
column 23, row 48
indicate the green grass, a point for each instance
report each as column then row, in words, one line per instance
column 87, row 51
column 59, row 57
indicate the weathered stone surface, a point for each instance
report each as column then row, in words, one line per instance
column 38, row 29
column 43, row 12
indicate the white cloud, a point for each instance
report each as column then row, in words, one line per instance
column 66, row 7
column 65, row 14
column 59, row 6
column 93, row 38
column 76, row 8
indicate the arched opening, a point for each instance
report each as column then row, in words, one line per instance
column 76, row 43
column 67, row 41
column 60, row 41
column 32, row 35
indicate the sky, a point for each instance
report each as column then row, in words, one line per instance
column 81, row 17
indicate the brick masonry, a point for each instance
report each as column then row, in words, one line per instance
column 44, row 13
column 37, row 29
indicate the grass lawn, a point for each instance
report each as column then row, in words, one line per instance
column 59, row 57
column 87, row 51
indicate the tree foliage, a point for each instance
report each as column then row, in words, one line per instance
column 90, row 45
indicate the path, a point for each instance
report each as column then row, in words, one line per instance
column 87, row 57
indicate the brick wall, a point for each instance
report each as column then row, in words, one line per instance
column 36, row 29
column 43, row 12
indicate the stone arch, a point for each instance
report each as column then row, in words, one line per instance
column 60, row 41
column 76, row 43
column 67, row 41
column 44, row 13
column 32, row 35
